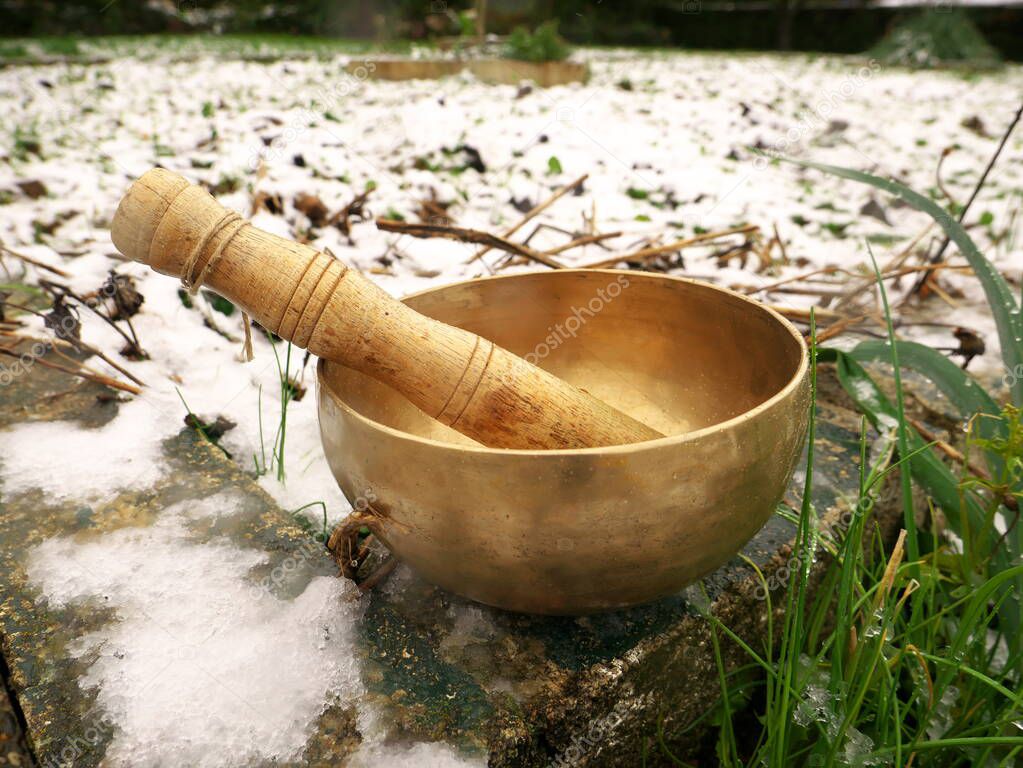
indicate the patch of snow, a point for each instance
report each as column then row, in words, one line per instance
column 200, row 668
column 68, row 462
column 374, row 754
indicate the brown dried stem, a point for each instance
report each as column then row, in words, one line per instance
column 33, row 262
column 464, row 235
column 79, row 345
column 645, row 254
column 532, row 213
column 973, row 196
column 81, row 373
column 584, row 240
column 956, row 455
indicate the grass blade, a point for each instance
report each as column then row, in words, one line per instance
column 927, row 468
column 968, row 397
column 959, row 387
column 908, row 514
column 1006, row 311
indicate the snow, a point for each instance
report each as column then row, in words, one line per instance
column 129, row 460
column 375, row 752
column 674, row 125
column 199, row 668
column 677, row 128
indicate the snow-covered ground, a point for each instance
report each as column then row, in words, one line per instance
column 664, row 140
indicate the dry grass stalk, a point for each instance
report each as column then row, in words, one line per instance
column 584, row 240
column 79, row 345
column 645, row 254
column 461, row 234
column 532, row 213
column 33, row 262
column 82, row 373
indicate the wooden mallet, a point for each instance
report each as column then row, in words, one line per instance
column 315, row 301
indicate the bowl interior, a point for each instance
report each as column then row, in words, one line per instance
column 675, row 354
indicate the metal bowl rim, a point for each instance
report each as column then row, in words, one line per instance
column 686, row 437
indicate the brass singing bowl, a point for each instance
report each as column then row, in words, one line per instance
column 577, row 531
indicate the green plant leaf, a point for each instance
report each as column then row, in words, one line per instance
column 1006, row 311
column 978, row 603
column 928, row 470
column 959, row 387
column 925, row 466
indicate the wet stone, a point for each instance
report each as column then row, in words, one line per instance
column 502, row 689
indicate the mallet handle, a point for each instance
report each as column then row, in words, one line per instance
column 318, row 303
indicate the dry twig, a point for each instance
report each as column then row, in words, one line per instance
column 33, row 262
column 645, row 254
column 973, row 196
column 80, row 346
column 584, row 240
column 532, row 213
column 356, row 208
column 461, row 234
column 81, row 373
column 956, row 455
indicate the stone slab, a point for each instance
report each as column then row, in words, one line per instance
column 504, row 689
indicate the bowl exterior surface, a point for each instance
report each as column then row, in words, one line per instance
column 568, row 532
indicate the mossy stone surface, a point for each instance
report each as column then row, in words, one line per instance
column 511, row 689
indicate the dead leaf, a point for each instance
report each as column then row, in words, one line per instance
column 124, row 295
column 63, row 321
column 312, row 207
column 971, row 344
column 355, row 210
column 271, row 201
column 522, row 204
column 49, row 227
column 434, row 211
column 873, row 209
column 976, row 125
column 32, row 188
column 214, row 429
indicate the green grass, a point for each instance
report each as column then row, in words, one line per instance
column 287, row 392
column 323, row 533
column 194, row 422
column 905, row 653
column 185, row 46
column 934, row 37
column 891, row 656
column 542, row 44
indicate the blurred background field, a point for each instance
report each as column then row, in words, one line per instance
column 835, row 26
